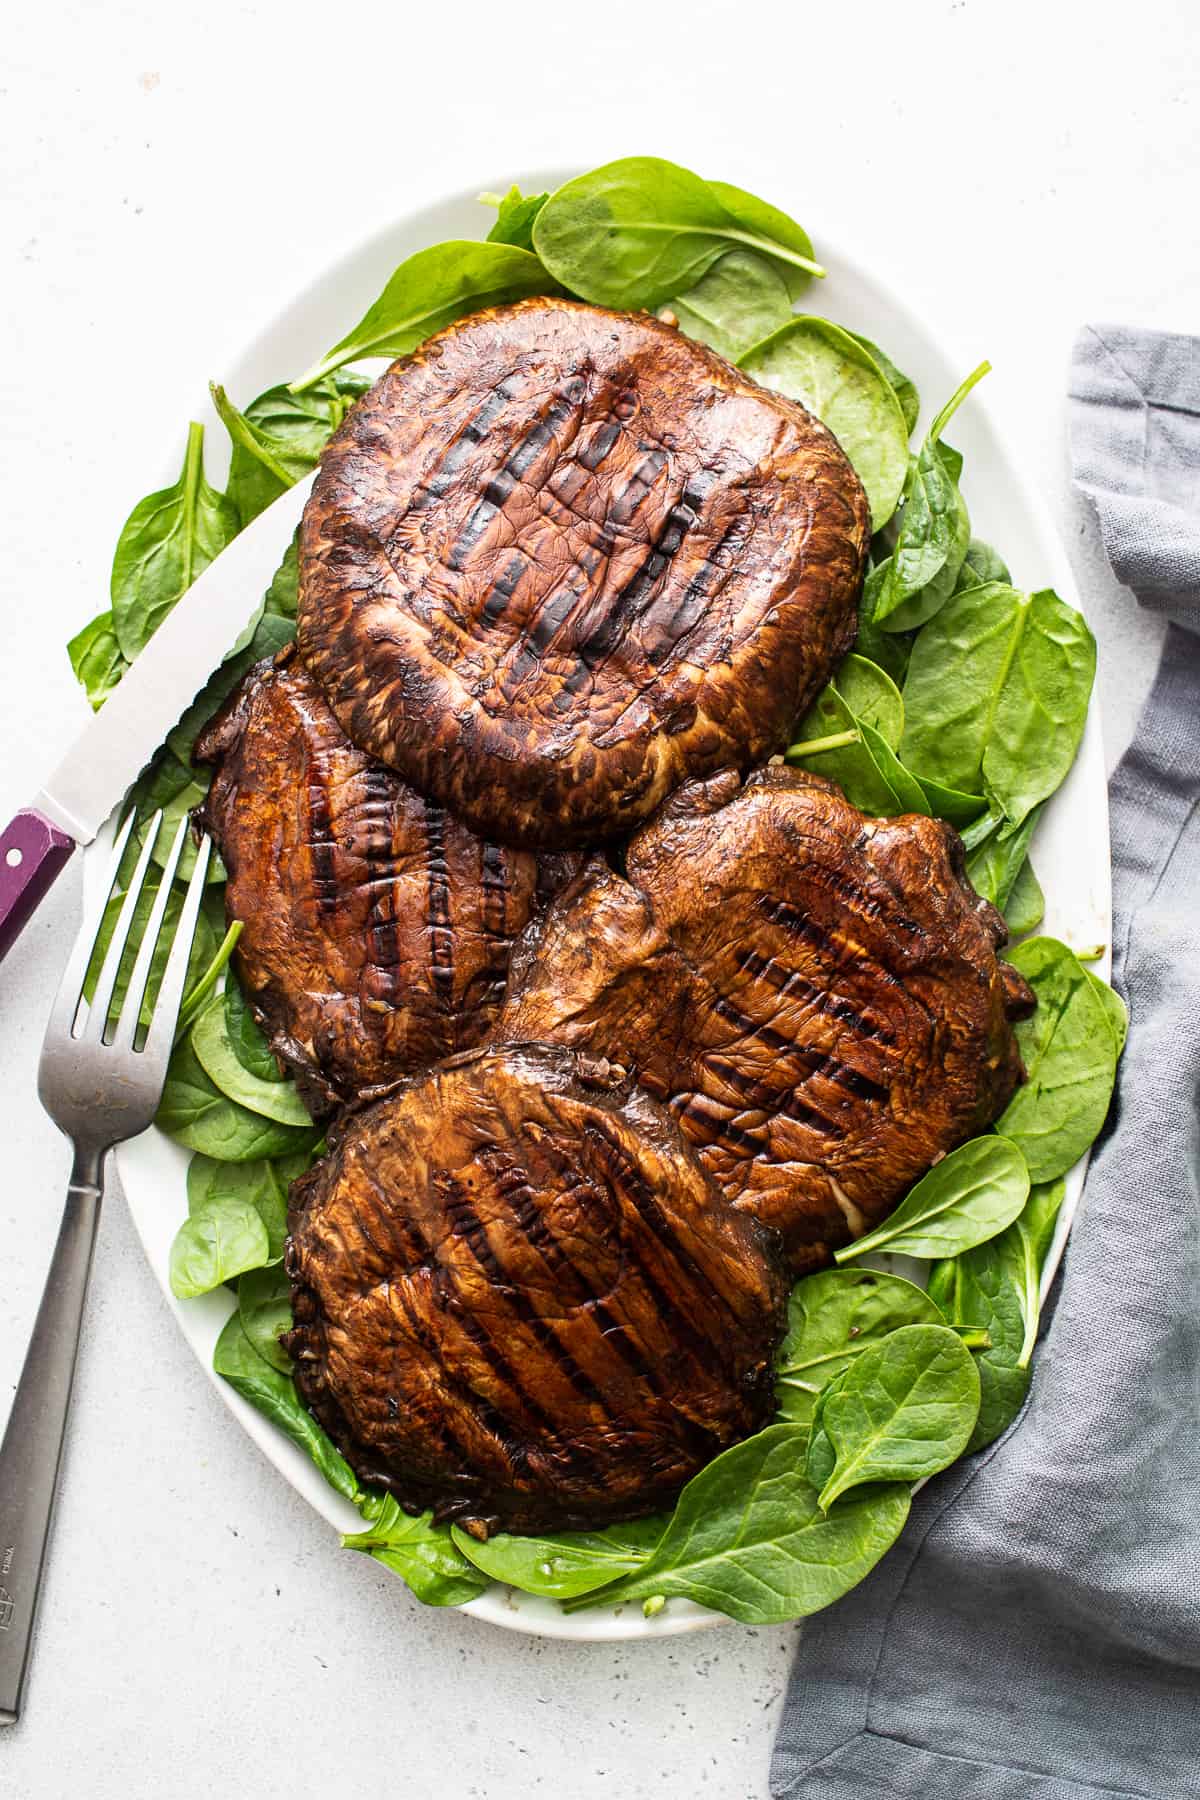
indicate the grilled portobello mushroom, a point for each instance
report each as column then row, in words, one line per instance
column 559, row 559
column 815, row 993
column 376, row 927
column 518, row 1299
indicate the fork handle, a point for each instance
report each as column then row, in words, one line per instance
column 33, row 1441
column 32, row 853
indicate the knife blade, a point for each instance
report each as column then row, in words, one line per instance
column 150, row 700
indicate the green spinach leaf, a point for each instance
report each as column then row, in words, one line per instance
column 834, row 743
column 749, row 1539
column 635, row 232
column 904, row 389
column 246, row 1037
column 1025, row 907
column 981, row 564
column 978, row 1288
column 872, row 696
column 1070, row 1056
column 890, row 650
column 274, row 1395
column 280, row 437
column 968, row 1197
column 830, row 373
column 96, row 659
column 998, row 1285
column 763, row 220
column 934, row 530
column 273, row 1099
column 902, row 1411
column 997, row 693
column 218, row 1241
column 740, row 300
column 949, row 804
column 833, row 1317
column 169, row 538
column 994, row 868
column 265, row 1308
column 565, row 1565
column 1115, row 1007
column 429, row 290
column 515, row 213
column 423, row 1554
column 263, row 1184
column 195, row 1112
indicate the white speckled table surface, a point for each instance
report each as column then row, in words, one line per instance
column 173, row 173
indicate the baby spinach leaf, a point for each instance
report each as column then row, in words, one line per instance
column 265, row 1309
column 195, row 1112
column 763, row 220
column 169, row 538
column 275, row 1396
column 834, row 743
column 423, row 1554
column 904, row 389
column 830, row 373
column 948, row 803
column 567, row 1564
column 749, row 1539
column 246, row 1037
column 264, row 1184
column 634, row 232
column 934, row 530
column 96, row 659
column 280, row 437
column 1115, row 1007
column 978, row 1288
column 740, row 300
column 821, row 1458
column 981, row 564
column 274, row 1099
column 833, row 1317
column 216, row 1242
column 994, row 867
column 910, row 795
column 904, row 1410
column 1025, row 907
column 872, row 696
column 282, row 598
column 429, row 290
column 968, row 1197
column 998, row 1284
column 997, row 693
column 890, row 650
column 1070, row 1056
column 515, row 213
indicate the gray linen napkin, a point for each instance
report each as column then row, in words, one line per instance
column 1035, row 1635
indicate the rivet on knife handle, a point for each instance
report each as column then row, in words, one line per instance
column 32, row 852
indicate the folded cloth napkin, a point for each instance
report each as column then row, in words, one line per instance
column 1035, row 1634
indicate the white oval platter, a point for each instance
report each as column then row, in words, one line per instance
column 1071, row 847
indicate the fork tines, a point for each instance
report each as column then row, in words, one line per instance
column 90, row 1022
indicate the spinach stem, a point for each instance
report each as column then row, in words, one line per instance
column 837, row 740
column 193, row 475
column 974, row 1337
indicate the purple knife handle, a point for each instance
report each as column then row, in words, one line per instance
column 32, row 852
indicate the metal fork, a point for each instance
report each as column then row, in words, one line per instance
column 101, row 1084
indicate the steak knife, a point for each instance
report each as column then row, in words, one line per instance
column 150, row 700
